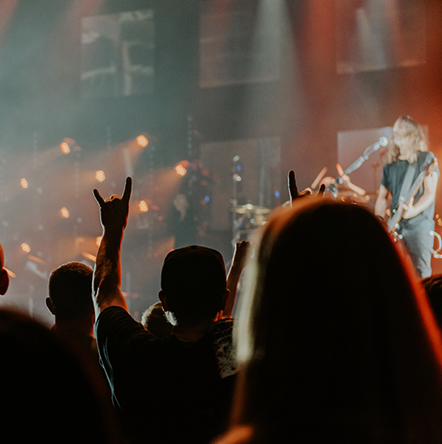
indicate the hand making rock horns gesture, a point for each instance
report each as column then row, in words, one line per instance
column 115, row 209
column 293, row 188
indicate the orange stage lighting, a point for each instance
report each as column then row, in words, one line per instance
column 142, row 141
column 24, row 183
column 143, row 207
column 181, row 168
column 25, row 247
column 64, row 213
column 100, row 176
column 65, row 148
column 98, row 240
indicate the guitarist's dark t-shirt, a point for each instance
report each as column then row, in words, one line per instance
column 392, row 178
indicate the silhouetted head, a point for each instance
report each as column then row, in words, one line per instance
column 70, row 292
column 433, row 287
column 352, row 333
column 4, row 277
column 193, row 279
column 48, row 393
column 155, row 321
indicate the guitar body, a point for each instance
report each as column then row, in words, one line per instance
column 396, row 216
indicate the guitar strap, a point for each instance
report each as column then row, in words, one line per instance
column 407, row 182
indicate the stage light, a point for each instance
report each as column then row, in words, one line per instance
column 24, row 183
column 25, row 247
column 100, row 176
column 143, row 207
column 142, row 141
column 64, row 213
column 180, row 169
column 89, row 257
column 65, row 148
column 98, row 240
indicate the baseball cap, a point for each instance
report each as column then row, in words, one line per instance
column 193, row 279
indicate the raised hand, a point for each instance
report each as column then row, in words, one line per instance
column 107, row 275
column 241, row 251
column 293, row 187
column 115, row 209
column 238, row 263
column 321, row 191
column 294, row 192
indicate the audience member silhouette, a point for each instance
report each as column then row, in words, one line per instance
column 155, row 320
column 177, row 388
column 48, row 394
column 433, row 287
column 353, row 354
column 70, row 301
column 4, row 277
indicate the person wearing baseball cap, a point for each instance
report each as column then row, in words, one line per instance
column 193, row 288
column 178, row 387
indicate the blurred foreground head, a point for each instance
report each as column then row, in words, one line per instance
column 48, row 393
column 336, row 336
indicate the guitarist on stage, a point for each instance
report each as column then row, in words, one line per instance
column 409, row 147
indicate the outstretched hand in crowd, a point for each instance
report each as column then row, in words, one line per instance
column 238, row 263
column 293, row 189
column 114, row 212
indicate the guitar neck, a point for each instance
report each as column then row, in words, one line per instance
column 394, row 219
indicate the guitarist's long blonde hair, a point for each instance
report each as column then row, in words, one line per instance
column 416, row 136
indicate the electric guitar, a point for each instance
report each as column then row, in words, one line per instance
column 396, row 216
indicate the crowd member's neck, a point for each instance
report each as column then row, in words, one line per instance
column 191, row 331
column 84, row 327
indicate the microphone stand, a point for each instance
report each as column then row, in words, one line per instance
column 383, row 141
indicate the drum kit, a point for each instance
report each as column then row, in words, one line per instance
column 248, row 217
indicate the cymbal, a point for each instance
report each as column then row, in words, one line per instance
column 249, row 208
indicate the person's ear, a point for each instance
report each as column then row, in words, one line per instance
column 163, row 300
column 4, row 281
column 50, row 305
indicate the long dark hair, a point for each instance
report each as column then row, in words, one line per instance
column 335, row 335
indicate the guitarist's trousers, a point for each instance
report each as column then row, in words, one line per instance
column 419, row 243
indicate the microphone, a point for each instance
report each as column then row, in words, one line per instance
column 383, row 141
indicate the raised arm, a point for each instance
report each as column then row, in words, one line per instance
column 107, row 276
column 238, row 264
column 381, row 202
